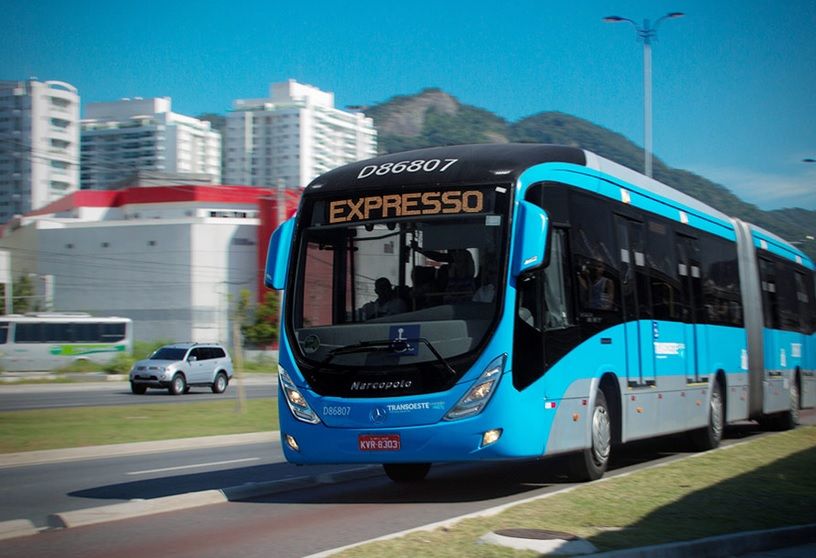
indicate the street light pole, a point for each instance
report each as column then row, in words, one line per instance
column 646, row 33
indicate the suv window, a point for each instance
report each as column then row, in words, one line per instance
column 168, row 353
column 218, row 352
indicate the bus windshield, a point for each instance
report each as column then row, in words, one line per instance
column 397, row 292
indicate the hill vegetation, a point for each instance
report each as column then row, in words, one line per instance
column 433, row 117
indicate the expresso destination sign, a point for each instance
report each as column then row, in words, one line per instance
column 388, row 206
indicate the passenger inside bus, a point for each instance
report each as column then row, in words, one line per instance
column 386, row 304
column 597, row 290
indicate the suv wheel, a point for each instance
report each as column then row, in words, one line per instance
column 138, row 389
column 220, row 383
column 178, row 385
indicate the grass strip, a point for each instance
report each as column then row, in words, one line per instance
column 89, row 426
column 761, row 484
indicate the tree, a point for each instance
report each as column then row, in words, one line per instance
column 262, row 330
column 23, row 298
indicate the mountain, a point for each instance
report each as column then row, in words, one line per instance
column 433, row 117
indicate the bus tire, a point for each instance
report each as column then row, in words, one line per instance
column 138, row 389
column 406, row 472
column 178, row 385
column 591, row 463
column 220, row 383
column 709, row 437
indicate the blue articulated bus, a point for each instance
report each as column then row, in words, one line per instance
column 490, row 302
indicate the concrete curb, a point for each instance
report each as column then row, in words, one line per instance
column 140, row 508
column 16, row 528
column 135, row 508
column 721, row 546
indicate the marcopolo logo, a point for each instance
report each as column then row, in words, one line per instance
column 381, row 386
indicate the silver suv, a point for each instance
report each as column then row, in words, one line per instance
column 181, row 365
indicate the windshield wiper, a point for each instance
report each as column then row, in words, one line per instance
column 387, row 345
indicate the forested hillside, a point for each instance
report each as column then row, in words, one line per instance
column 433, row 117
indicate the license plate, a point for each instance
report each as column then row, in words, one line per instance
column 379, row 442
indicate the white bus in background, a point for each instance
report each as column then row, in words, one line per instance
column 50, row 341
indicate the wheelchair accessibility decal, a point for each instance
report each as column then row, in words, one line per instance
column 405, row 339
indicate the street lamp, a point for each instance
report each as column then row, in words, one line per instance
column 646, row 33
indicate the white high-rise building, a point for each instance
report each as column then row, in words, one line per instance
column 122, row 137
column 292, row 137
column 39, row 144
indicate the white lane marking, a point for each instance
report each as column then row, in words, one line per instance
column 194, row 466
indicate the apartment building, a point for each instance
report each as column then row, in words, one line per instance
column 293, row 136
column 39, row 144
column 123, row 137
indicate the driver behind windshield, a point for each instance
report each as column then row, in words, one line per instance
column 386, row 304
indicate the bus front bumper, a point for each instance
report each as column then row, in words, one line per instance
column 477, row 438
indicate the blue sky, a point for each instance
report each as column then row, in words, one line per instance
column 734, row 81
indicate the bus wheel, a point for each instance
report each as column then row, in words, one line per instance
column 709, row 437
column 138, row 389
column 590, row 464
column 406, row 472
column 178, row 385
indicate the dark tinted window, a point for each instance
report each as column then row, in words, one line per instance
column 28, row 333
column 168, row 353
column 664, row 284
column 788, row 305
column 596, row 274
column 787, row 294
column 722, row 300
column 110, row 333
column 770, row 298
column 4, row 327
column 218, row 352
column 803, row 302
column 810, row 308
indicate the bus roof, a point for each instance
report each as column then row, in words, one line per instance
column 475, row 164
column 505, row 162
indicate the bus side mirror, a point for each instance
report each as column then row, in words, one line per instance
column 531, row 238
column 277, row 258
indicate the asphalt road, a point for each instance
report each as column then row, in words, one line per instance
column 33, row 492
column 85, row 394
column 297, row 522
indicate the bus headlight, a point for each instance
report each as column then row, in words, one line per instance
column 478, row 396
column 295, row 400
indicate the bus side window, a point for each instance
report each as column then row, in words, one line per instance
column 770, row 304
column 802, row 302
column 667, row 303
column 4, row 327
column 595, row 275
